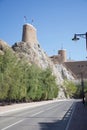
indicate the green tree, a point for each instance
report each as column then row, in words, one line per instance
column 50, row 88
column 21, row 81
column 33, row 83
column 70, row 88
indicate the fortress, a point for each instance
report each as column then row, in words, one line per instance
column 76, row 67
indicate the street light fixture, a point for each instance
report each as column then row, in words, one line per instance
column 82, row 84
column 75, row 38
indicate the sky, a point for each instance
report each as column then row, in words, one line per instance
column 56, row 22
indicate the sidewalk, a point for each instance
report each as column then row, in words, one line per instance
column 79, row 117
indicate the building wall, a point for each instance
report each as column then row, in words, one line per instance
column 78, row 68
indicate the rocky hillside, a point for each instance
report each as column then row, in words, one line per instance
column 34, row 54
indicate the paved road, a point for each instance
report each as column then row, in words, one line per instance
column 52, row 116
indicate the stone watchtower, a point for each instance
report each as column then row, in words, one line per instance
column 62, row 56
column 29, row 34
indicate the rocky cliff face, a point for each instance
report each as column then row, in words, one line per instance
column 34, row 54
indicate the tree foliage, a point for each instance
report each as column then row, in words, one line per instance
column 70, row 88
column 79, row 92
column 20, row 81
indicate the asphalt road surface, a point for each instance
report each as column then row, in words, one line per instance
column 51, row 116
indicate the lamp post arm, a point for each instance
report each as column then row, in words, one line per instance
column 84, row 35
column 81, row 35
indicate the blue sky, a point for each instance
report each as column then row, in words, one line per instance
column 56, row 22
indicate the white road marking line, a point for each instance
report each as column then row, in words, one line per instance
column 20, row 121
column 51, row 108
column 37, row 113
column 13, row 124
column 67, row 127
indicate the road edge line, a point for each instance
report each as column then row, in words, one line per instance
column 68, row 124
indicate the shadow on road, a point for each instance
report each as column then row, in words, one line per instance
column 79, row 118
column 59, row 124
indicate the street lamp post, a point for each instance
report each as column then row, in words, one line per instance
column 76, row 37
column 82, row 84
